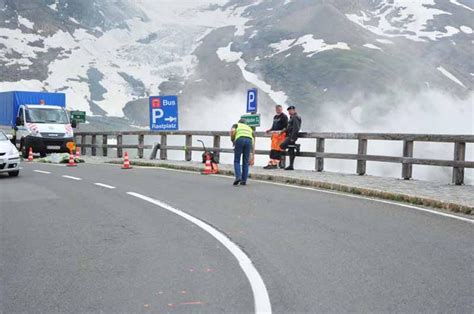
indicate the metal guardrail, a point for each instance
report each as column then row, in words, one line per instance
column 458, row 163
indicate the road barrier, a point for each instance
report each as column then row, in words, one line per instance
column 458, row 163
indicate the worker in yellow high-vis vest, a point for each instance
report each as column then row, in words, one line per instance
column 243, row 138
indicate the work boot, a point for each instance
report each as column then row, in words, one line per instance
column 270, row 167
column 243, row 183
column 289, row 168
column 236, row 182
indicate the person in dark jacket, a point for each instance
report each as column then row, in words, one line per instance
column 292, row 133
column 280, row 123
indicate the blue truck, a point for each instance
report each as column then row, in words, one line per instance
column 38, row 120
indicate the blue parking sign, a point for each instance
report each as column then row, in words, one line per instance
column 251, row 100
column 164, row 113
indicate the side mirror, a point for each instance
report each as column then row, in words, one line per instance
column 74, row 124
column 19, row 121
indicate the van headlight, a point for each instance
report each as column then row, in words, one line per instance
column 68, row 134
column 35, row 133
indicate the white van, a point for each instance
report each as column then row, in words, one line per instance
column 46, row 129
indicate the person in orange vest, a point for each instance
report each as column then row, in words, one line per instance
column 280, row 123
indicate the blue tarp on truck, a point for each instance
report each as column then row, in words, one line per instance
column 11, row 101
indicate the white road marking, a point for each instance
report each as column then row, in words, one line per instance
column 41, row 171
column 260, row 293
column 426, row 210
column 105, row 186
column 72, row 178
column 374, row 200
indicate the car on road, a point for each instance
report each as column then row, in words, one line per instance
column 9, row 156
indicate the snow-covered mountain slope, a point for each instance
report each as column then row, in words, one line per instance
column 101, row 64
column 109, row 55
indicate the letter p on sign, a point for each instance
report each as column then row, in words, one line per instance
column 157, row 114
column 252, row 100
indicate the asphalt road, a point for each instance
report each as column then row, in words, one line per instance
column 69, row 245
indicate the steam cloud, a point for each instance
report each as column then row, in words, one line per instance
column 430, row 111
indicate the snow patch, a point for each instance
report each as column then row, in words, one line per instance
column 385, row 41
column 461, row 5
column 450, row 76
column 371, row 46
column 25, row 22
column 310, row 45
column 466, row 29
column 227, row 55
column 54, row 6
column 22, row 85
column 407, row 18
column 74, row 20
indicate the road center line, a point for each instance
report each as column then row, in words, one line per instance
column 41, row 171
column 105, row 186
column 260, row 293
column 72, row 178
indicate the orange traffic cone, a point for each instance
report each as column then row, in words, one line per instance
column 126, row 162
column 30, row 154
column 208, row 166
column 72, row 162
column 78, row 154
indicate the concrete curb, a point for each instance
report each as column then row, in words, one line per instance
column 398, row 197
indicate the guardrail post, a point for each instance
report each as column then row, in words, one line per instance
column 217, row 144
column 459, row 155
column 93, row 143
column 163, row 152
column 319, row 149
column 407, row 168
column 154, row 151
column 83, row 148
column 188, row 154
column 362, row 164
column 141, row 143
column 105, row 149
column 119, row 146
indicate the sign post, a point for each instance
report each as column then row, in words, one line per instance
column 252, row 119
column 164, row 113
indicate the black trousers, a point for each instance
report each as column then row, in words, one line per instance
column 291, row 146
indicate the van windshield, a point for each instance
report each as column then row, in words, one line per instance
column 46, row 115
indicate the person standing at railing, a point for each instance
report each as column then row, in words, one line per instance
column 243, row 138
column 292, row 133
column 280, row 123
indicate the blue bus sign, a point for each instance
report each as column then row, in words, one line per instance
column 164, row 113
column 251, row 100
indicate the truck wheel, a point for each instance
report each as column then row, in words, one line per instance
column 43, row 155
column 14, row 173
